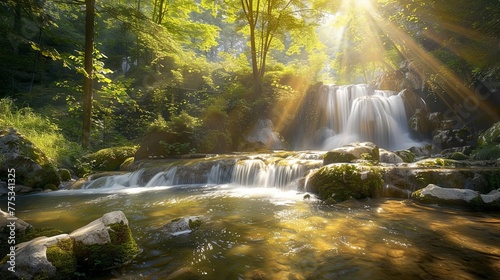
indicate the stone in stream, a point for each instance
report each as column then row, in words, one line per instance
column 103, row 244
column 433, row 194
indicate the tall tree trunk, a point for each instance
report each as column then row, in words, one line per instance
column 87, row 82
column 251, row 11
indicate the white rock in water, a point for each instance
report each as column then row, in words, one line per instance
column 97, row 231
column 449, row 193
column 493, row 196
column 31, row 257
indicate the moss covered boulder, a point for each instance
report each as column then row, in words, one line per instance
column 109, row 159
column 33, row 168
column 105, row 243
column 338, row 182
column 352, row 152
column 43, row 258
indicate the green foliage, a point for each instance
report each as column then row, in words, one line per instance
column 40, row 130
column 343, row 181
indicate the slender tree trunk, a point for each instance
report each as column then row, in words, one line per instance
column 87, row 82
column 251, row 11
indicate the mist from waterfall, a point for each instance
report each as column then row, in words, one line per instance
column 359, row 113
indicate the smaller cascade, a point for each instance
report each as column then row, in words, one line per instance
column 166, row 178
column 133, row 179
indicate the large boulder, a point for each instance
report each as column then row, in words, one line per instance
column 42, row 258
column 109, row 159
column 31, row 165
column 338, row 182
column 433, row 194
column 105, row 243
column 390, row 157
column 352, row 152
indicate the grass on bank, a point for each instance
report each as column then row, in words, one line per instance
column 40, row 130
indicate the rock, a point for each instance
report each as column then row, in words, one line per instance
column 444, row 139
column 109, row 159
column 44, row 258
column 433, row 194
column 182, row 225
column 64, row 174
column 406, row 155
column 389, row 157
column 419, row 125
column 263, row 135
column 339, row 182
column 489, row 144
column 491, row 136
column 21, row 226
column 352, row 152
column 492, row 199
column 108, row 240
column 422, row 152
column 32, row 167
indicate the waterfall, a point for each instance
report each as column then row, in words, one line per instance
column 359, row 113
column 265, row 171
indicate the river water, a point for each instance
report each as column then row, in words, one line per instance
column 267, row 233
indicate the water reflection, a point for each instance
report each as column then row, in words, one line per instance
column 265, row 233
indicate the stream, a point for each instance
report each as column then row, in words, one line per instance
column 271, row 233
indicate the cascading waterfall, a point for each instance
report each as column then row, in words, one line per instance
column 359, row 113
column 280, row 173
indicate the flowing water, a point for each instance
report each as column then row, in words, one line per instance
column 359, row 113
column 271, row 233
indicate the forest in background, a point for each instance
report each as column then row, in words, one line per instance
column 206, row 70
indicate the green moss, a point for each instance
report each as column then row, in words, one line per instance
column 406, row 155
column 64, row 174
column 108, row 159
column 438, row 162
column 98, row 257
column 488, row 152
column 337, row 157
column 343, row 181
column 61, row 256
column 458, row 156
column 195, row 224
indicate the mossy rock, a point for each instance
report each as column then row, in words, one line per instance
column 458, row 156
column 439, row 163
column 488, row 152
column 64, row 174
column 120, row 251
column 406, row 155
column 339, row 182
column 61, row 256
column 109, row 159
column 47, row 175
column 127, row 164
column 490, row 137
column 352, row 152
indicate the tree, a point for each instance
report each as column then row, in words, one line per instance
column 89, row 71
column 270, row 22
